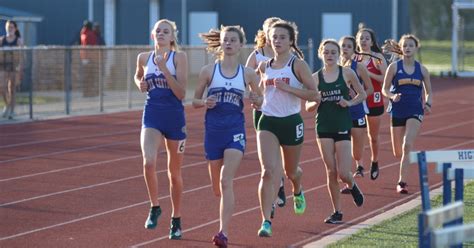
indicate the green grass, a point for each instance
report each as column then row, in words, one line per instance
column 436, row 56
column 402, row 230
column 24, row 100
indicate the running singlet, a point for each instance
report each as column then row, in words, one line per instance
column 359, row 110
column 332, row 118
column 374, row 100
column 276, row 102
column 159, row 95
column 229, row 92
column 410, row 86
column 259, row 57
column 8, row 61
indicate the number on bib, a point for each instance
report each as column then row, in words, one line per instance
column 299, row 130
column 377, row 97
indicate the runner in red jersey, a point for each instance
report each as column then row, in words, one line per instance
column 376, row 65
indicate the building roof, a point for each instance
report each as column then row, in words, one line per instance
column 18, row 15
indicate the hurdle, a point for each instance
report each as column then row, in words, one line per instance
column 455, row 165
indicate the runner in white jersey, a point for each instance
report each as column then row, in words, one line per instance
column 281, row 125
column 224, row 142
column 263, row 52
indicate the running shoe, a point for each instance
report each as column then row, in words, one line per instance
column 334, row 218
column 357, row 195
column 402, row 188
column 299, row 203
column 281, row 201
column 220, row 240
column 266, row 229
column 175, row 229
column 374, row 170
column 359, row 171
column 345, row 190
column 152, row 219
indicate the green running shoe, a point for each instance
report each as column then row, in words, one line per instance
column 299, row 203
column 152, row 219
column 266, row 229
column 175, row 229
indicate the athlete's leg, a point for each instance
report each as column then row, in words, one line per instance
column 232, row 159
column 411, row 131
column 373, row 125
column 268, row 148
column 397, row 134
column 150, row 140
column 215, row 167
column 327, row 150
column 344, row 161
column 175, row 151
column 358, row 141
column 291, row 160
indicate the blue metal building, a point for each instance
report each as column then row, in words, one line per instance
column 129, row 21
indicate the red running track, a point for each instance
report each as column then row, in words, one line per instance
column 77, row 182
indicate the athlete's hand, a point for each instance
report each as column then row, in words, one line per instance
column 352, row 93
column 160, row 61
column 427, row 109
column 344, row 103
column 255, row 99
column 280, row 84
column 210, row 101
column 396, row 97
column 143, row 86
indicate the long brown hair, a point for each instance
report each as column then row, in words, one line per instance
column 261, row 37
column 213, row 38
column 293, row 32
column 17, row 32
column 392, row 46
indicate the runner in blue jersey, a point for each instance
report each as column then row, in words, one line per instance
column 162, row 74
column 403, row 85
column 225, row 138
column 358, row 111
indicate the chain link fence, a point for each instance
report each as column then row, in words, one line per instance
column 72, row 80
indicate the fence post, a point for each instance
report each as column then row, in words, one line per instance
column 30, row 81
column 129, row 76
column 101, row 82
column 311, row 54
column 67, row 80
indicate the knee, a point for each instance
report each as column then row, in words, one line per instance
column 149, row 163
column 175, row 178
column 407, row 148
column 267, row 174
column 226, row 183
column 331, row 175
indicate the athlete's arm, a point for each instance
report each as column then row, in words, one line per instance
column 351, row 79
column 203, row 81
column 139, row 72
column 255, row 93
column 252, row 61
column 364, row 74
column 303, row 73
column 311, row 105
column 178, row 84
column 427, row 88
column 381, row 64
column 387, row 83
